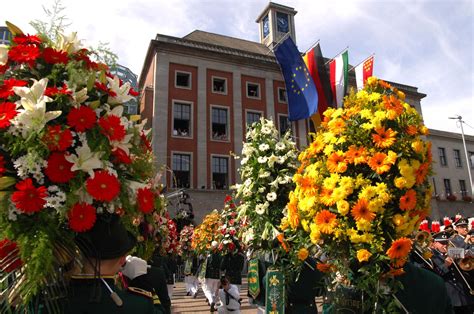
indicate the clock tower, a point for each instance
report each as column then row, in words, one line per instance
column 275, row 22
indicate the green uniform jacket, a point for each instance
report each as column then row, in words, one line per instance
column 87, row 297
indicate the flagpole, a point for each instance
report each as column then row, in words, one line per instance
column 278, row 43
column 343, row 50
column 355, row 66
column 312, row 46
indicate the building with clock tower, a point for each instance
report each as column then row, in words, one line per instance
column 275, row 23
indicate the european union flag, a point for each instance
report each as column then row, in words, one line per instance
column 300, row 88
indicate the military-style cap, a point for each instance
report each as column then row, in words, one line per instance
column 461, row 222
column 442, row 236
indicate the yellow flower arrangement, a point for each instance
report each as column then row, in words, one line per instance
column 206, row 233
column 361, row 197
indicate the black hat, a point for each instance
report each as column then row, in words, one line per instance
column 442, row 236
column 108, row 239
column 471, row 232
column 461, row 222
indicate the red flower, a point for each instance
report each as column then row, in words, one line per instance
column 231, row 246
column 133, row 92
column 59, row 169
column 6, row 90
column 82, row 118
column 9, row 260
column 7, row 112
column 112, row 128
column 53, row 56
column 27, row 40
column 103, row 87
column 82, row 217
column 24, row 54
column 57, row 139
column 103, row 186
column 145, row 142
column 2, row 166
column 54, row 91
column 121, row 156
column 3, row 68
column 146, row 200
column 28, row 198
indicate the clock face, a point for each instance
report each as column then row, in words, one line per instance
column 266, row 26
column 282, row 22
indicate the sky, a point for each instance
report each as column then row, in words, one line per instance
column 423, row 43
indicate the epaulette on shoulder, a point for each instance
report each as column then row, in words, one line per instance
column 141, row 292
column 156, row 299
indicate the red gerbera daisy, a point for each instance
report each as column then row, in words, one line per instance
column 54, row 91
column 2, row 166
column 7, row 112
column 146, row 200
column 121, row 156
column 24, row 54
column 82, row 118
column 133, row 92
column 9, row 259
column 57, row 139
column 112, row 128
column 27, row 40
column 6, row 90
column 82, row 217
column 103, row 186
column 28, row 198
column 53, row 56
column 59, row 169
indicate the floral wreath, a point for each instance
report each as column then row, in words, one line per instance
column 362, row 188
column 68, row 155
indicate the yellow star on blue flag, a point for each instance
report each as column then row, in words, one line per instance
column 301, row 91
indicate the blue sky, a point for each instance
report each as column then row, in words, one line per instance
column 427, row 44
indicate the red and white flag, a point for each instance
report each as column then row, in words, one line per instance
column 363, row 71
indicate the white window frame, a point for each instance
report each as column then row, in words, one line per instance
column 225, row 85
column 229, row 172
column 247, row 90
column 176, row 79
column 286, row 93
column 252, row 111
column 228, row 123
column 173, row 152
column 183, row 102
column 293, row 127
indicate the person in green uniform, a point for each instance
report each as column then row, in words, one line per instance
column 92, row 288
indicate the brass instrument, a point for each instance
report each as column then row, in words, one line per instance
column 471, row 291
column 421, row 247
column 467, row 263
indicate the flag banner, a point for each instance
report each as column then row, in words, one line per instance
column 339, row 69
column 253, row 279
column 275, row 291
column 363, row 71
column 300, row 88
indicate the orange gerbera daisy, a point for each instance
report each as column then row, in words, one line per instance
column 384, row 84
column 400, row 248
column 361, row 210
column 337, row 126
column 384, row 138
column 411, row 130
column 356, row 155
column 326, row 221
column 325, row 267
column 393, row 105
column 408, row 201
column 336, row 163
column 379, row 163
column 326, row 197
column 421, row 173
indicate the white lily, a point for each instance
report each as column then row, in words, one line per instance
column 68, row 43
column 79, row 97
column 85, row 160
column 3, row 54
column 32, row 95
column 121, row 92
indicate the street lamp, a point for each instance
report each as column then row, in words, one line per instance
column 459, row 118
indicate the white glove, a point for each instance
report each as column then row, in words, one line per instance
column 134, row 267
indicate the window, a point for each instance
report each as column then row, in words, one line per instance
column 471, row 159
column 182, row 120
column 4, row 36
column 253, row 90
column 252, row 116
column 447, row 187
column 462, row 187
column 182, row 170
column 457, row 158
column 442, row 156
column 183, row 79
column 219, row 124
column 284, row 124
column 219, row 85
column 220, row 170
column 282, row 95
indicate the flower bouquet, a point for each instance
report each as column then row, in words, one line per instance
column 67, row 156
column 230, row 225
column 207, row 233
column 171, row 243
column 185, row 238
column 267, row 167
column 362, row 189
